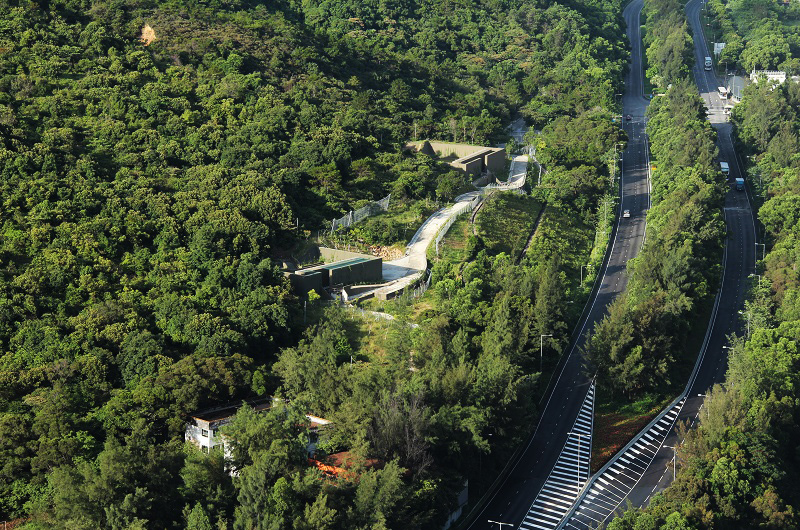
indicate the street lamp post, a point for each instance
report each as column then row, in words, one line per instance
column 570, row 433
column 748, row 321
column 500, row 525
column 614, row 172
column 763, row 250
column 674, row 459
column 711, row 29
column 541, row 350
column 756, row 276
column 705, row 396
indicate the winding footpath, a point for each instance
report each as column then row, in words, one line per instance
column 403, row 272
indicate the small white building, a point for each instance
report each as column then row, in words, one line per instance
column 203, row 428
column 770, row 75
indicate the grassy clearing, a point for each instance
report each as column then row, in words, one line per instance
column 454, row 245
column 505, row 222
column 616, row 421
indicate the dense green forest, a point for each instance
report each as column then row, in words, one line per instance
column 149, row 188
column 758, row 34
column 636, row 348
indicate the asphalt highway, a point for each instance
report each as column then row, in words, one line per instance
column 516, row 494
column 739, row 263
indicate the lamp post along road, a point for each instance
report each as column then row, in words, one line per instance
column 674, row 459
column 763, row 249
column 748, row 321
column 584, row 267
column 499, row 524
column 570, row 433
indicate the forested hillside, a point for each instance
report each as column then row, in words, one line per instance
column 149, row 186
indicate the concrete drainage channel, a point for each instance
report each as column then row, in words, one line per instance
column 570, row 471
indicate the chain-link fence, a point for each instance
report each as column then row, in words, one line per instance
column 460, row 210
column 351, row 217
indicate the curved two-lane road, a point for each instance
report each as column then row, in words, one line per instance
column 514, row 497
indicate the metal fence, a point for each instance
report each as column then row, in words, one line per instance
column 460, row 210
column 361, row 214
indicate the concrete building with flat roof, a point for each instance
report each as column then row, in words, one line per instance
column 473, row 160
column 202, row 430
column 347, row 268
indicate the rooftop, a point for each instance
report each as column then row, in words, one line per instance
column 226, row 411
column 229, row 410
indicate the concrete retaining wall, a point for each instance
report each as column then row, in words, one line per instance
column 332, row 254
column 472, row 159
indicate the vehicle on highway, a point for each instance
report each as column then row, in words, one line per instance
column 626, row 213
column 708, row 63
column 725, row 168
column 740, row 184
column 723, row 92
column 628, row 117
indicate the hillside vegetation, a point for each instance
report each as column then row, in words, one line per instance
column 148, row 192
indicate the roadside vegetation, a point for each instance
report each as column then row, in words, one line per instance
column 759, row 35
column 641, row 347
column 739, row 468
